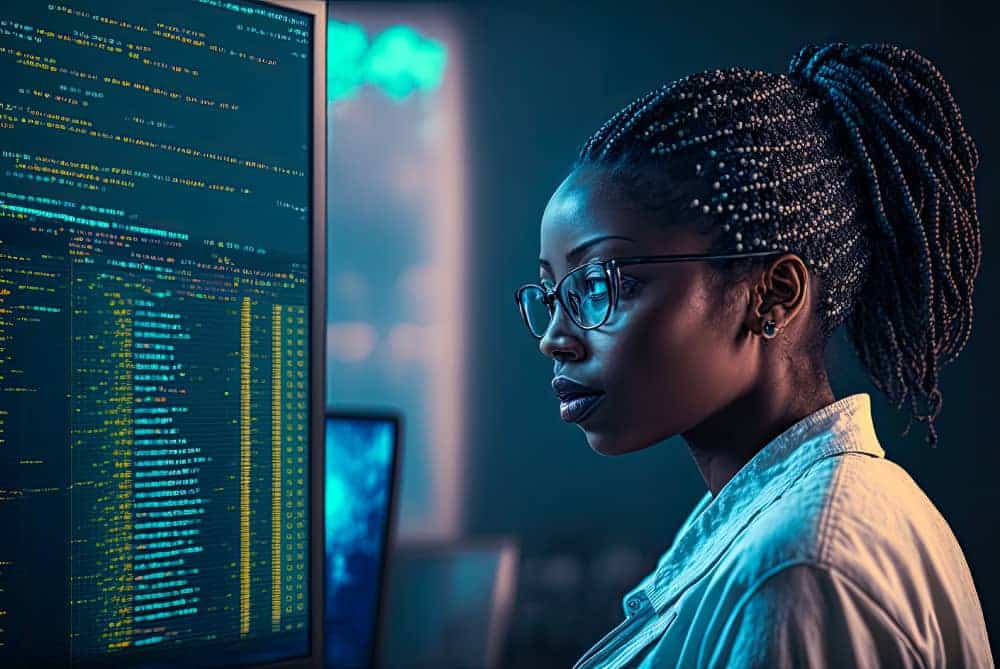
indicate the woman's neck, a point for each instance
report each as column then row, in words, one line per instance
column 728, row 439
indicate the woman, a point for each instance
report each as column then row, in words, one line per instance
column 694, row 263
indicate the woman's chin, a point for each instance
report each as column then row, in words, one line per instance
column 610, row 443
column 605, row 444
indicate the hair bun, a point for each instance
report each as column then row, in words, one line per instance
column 804, row 64
column 917, row 162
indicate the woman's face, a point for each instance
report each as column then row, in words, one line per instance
column 669, row 356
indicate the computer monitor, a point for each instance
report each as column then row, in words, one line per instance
column 161, row 332
column 362, row 473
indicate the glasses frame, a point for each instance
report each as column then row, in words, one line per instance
column 612, row 270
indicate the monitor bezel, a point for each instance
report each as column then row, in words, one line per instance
column 389, row 531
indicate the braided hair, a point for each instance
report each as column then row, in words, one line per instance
column 856, row 160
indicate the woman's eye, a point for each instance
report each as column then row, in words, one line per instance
column 629, row 285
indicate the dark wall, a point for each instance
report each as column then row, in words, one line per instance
column 541, row 80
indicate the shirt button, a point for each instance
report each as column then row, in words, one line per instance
column 634, row 603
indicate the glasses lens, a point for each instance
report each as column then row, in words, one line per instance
column 535, row 310
column 587, row 295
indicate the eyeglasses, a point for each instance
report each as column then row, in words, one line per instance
column 589, row 293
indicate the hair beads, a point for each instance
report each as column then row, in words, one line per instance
column 857, row 160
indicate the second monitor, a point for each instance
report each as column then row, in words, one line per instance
column 362, row 463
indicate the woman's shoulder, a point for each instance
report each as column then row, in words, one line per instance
column 866, row 523
column 866, row 519
column 879, row 527
column 847, row 506
column 859, row 514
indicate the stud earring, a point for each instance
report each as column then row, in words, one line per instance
column 770, row 329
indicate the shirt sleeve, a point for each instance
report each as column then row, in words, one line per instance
column 810, row 615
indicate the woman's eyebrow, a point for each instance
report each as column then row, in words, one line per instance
column 573, row 256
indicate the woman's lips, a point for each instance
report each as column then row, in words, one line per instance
column 577, row 409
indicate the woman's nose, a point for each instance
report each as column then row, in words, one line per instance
column 560, row 341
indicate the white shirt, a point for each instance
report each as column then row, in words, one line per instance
column 819, row 552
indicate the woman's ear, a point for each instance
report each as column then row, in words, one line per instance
column 778, row 294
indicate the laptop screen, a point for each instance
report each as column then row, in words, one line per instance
column 361, row 453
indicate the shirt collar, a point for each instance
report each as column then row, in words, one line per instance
column 841, row 427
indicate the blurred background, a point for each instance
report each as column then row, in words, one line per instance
column 449, row 127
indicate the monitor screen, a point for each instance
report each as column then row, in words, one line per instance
column 361, row 464
column 157, row 338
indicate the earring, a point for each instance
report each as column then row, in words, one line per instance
column 769, row 329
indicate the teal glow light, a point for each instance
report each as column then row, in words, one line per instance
column 347, row 44
column 399, row 61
